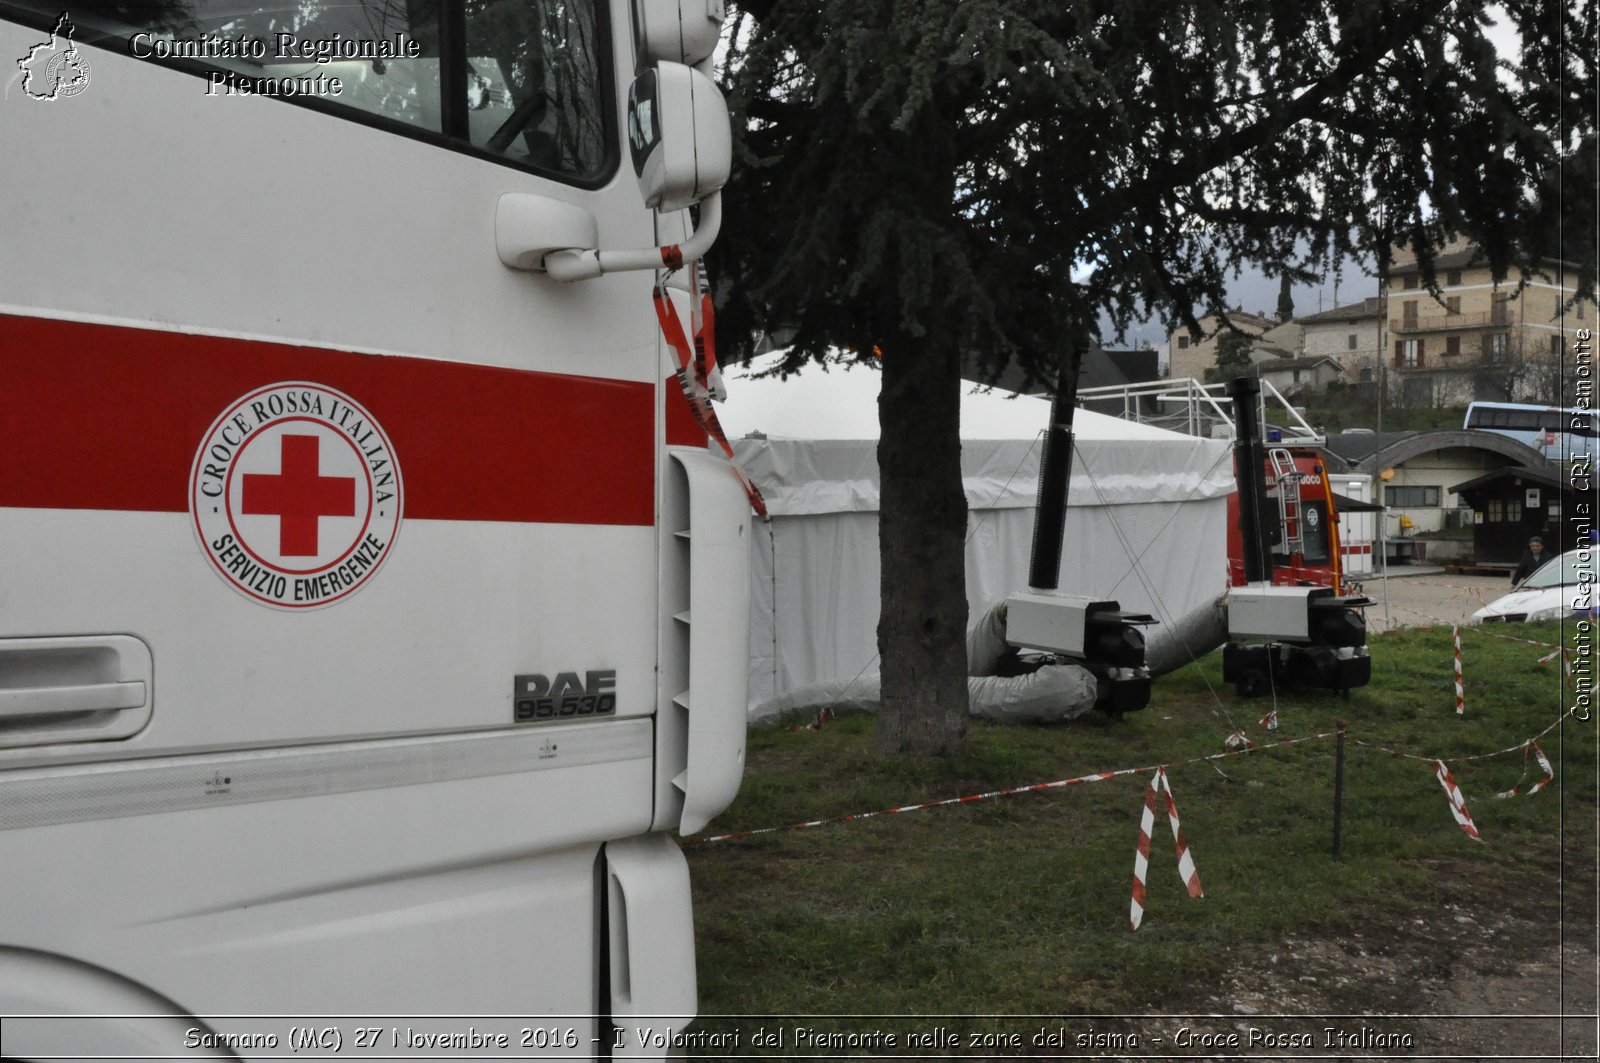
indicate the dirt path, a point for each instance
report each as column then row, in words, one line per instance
column 1502, row 970
column 1496, row 973
column 1436, row 598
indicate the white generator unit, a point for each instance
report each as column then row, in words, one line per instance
column 1307, row 637
column 1097, row 635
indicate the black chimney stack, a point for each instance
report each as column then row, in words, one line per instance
column 1247, row 470
column 1055, row 480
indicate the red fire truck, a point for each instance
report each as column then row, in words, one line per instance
column 1302, row 520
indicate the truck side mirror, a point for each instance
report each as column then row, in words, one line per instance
column 681, row 141
column 683, row 31
column 679, row 135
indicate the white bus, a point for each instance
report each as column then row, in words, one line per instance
column 1558, row 434
column 364, row 588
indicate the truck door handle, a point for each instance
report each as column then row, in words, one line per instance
column 74, row 688
column 64, row 700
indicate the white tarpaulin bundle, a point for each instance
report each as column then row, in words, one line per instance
column 1145, row 521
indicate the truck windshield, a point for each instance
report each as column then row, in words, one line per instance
column 523, row 79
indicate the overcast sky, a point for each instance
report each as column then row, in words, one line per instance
column 1258, row 294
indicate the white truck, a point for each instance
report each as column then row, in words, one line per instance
column 371, row 604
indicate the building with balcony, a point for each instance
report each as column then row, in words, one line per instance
column 1478, row 339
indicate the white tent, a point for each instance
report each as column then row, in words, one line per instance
column 1145, row 523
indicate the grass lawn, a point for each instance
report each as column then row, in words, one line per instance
column 1018, row 906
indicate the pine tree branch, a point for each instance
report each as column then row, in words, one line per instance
column 1352, row 63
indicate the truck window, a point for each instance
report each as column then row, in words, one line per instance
column 521, row 80
column 1314, row 534
column 533, row 83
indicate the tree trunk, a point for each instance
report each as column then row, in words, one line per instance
column 922, row 524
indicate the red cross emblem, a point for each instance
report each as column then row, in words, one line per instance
column 264, row 459
column 298, row 495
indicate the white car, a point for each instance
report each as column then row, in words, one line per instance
column 1561, row 587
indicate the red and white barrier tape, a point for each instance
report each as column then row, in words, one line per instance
column 1240, row 741
column 823, row 718
column 1484, row 629
column 1544, row 764
column 964, row 800
column 1141, row 856
column 973, row 798
column 693, row 373
column 1393, row 752
column 1462, row 590
column 1141, row 852
column 1481, row 629
column 1458, row 804
column 1186, row 869
column 1564, row 654
column 1461, row 698
column 1512, row 638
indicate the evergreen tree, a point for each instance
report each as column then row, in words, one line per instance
column 1285, row 298
column 928, row 180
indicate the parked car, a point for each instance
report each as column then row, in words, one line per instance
column 1563, row 586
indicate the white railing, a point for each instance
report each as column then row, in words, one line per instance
column 1197, row 409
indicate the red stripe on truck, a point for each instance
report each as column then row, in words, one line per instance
column 109, row 417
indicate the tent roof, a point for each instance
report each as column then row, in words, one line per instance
column 839, row 400
column 810, row 442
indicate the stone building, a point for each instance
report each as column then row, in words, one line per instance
column 1350, row 334
column 1189, row 357
column 1295, row 377
column 1478, row 339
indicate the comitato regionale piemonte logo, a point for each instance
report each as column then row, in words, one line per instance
column 296, row 495
column 55, row 69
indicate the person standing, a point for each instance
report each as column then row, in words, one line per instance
column 1532, row 558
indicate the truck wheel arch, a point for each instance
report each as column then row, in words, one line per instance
column 63, row 992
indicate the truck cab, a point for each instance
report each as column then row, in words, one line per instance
column 366, row 586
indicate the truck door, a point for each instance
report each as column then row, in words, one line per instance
column 329, row 631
